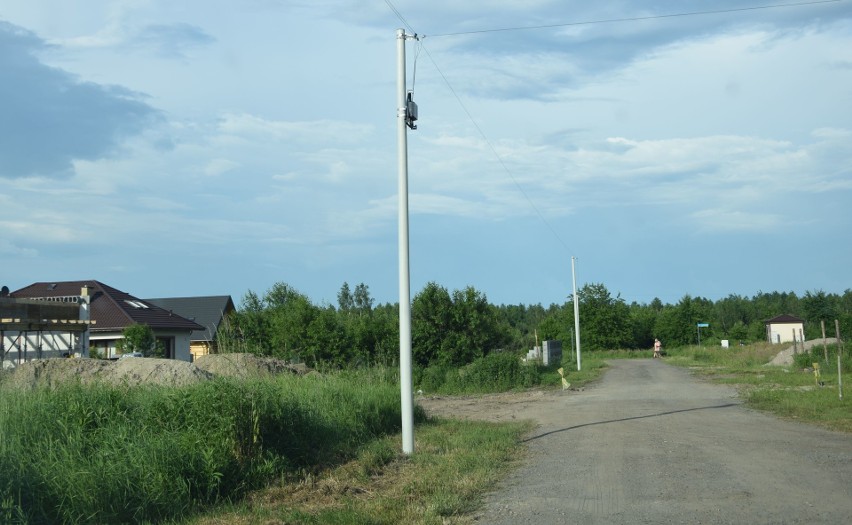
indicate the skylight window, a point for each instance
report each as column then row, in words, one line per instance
column 136, row 304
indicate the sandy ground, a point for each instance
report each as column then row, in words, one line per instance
column 144, row 371
column 649, row 443
column 511, row 406
column 785, row 357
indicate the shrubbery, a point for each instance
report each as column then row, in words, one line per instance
column 817, row 355
column 497, row 372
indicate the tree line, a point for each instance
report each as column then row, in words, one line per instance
column 455, row 328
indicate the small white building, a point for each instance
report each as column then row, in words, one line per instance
column 785, row 329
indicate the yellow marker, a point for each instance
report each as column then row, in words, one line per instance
column 565, row 383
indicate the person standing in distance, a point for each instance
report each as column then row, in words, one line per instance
column 658, row 347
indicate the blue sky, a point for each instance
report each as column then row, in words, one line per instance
column 212, row 147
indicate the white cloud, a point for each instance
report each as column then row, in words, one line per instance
column 724, row 127
column 252, row 127
column 218, row 167
column 731, row 220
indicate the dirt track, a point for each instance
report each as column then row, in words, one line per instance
column 651, row 444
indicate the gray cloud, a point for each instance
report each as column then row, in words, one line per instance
column 593, row 38
column 50, row 118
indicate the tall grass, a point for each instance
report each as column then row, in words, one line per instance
column 497, row 372
column 503, row 372
column 104, row 454
column 818, row 354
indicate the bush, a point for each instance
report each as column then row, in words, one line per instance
column 817, row 355
column 496, row 372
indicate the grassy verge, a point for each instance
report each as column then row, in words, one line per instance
column 790, row 391
column 454, row 464
column 82, row 454
column 321, row 449
column 504, row 372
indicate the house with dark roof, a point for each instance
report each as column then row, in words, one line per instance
column 208, row 311
column 112, row 310
column 785, row 328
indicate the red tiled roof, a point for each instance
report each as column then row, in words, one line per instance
column 111, row 309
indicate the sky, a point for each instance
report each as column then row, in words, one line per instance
column 211, row 147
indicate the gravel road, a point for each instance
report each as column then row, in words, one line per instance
column 651, row 444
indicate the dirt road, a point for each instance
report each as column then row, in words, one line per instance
column 651, row 444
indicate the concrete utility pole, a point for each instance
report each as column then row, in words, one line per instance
column 576, row 312
column 405, row 118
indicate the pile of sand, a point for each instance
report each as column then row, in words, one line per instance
column 134, row 371
column 244, row 366
column 785, row 357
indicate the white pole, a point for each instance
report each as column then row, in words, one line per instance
column 405, row 384
column 576, row 312
column 84, row 315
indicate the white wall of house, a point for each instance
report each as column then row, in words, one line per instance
column 179, row 343
column 26, row 346
column 784, row 332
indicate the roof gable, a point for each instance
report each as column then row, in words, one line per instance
column 111, row 309
column 784, row 319
column 208, row 311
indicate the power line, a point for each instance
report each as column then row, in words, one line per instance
column 494, row 151
column 478, row 128
column 399, row 15
column 549, row 26
column 635, row 19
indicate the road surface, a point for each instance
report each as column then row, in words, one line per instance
column 651, row 444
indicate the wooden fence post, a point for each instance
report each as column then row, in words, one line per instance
column 824, row 346
column 839, row 348
column 795, row 348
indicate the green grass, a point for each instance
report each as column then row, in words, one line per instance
column 787, row 391
column 504, row 372
column 320, row 449
column 813, row 404
column 84, row 454
column 454, row 464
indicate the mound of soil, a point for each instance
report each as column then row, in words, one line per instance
column 160, row 372
column 785, row 357
column 54, row 372
column 130, row 371
column 246, row 366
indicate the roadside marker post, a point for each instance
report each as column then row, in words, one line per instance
column 698, row 327
column 565, row 384
column 839, row 349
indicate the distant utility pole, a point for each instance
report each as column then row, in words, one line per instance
column 576, row 312
column 406, row 114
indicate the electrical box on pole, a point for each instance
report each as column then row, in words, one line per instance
column 410, row 112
